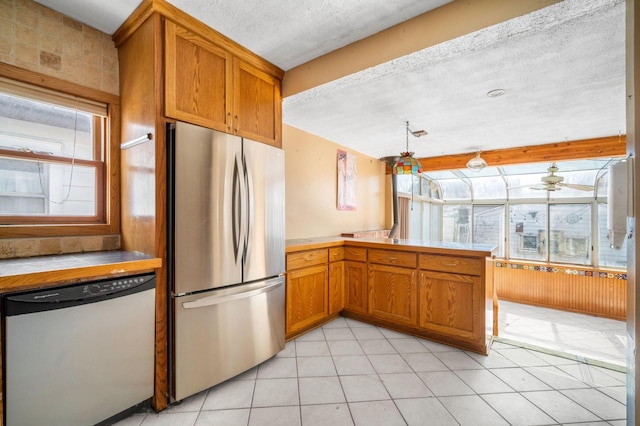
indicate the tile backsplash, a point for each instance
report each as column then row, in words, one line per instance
column 27, row 247
column 42, row 40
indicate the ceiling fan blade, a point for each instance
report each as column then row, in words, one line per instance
column 577, row 186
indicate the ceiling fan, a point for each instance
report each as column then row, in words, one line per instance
column 553, row 182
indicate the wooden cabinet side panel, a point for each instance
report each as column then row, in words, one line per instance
column 393, row 293
column 196, row 82
column 355, row 286
column 336, row 287
column 449, row 303
column 306, row 297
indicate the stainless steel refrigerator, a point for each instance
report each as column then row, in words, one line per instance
column 225, row 257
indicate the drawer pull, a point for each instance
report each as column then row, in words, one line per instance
column 392, row 259
column 450, row 264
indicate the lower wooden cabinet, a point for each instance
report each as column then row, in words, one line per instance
column 452, row 305
column 307, row 300
column 336, row 287
column 355, row 282
column 393, row 294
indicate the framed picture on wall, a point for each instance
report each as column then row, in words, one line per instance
column 346, row 190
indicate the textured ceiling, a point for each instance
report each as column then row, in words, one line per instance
column 562, row 67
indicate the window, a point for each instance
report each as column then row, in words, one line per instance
column 527, row 227
column 488, row 226
column 55, row 158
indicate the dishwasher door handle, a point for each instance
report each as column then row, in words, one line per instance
column 216, row 300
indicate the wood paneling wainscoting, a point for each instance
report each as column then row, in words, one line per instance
column 588, row 291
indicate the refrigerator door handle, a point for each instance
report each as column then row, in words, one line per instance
column 249, row 208
column 216, row 300
column 236, row 213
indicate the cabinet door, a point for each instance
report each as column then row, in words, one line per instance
column 306, row 297
column 393, row 294
column 257, row 104
column 336, row 287
column 198, row 78
column 451, row 304
column 355, row 281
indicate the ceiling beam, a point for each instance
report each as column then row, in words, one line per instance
column 611, row 146
column 442, row 24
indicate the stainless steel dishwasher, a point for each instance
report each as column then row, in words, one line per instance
column 81, row 354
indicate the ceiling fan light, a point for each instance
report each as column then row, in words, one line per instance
column 477, row 163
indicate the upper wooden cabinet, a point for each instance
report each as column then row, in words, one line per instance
column 209, row 86
column 197, row 79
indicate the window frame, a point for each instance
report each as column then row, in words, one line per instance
column 107, row 219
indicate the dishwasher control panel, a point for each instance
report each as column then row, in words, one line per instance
column 54, row 297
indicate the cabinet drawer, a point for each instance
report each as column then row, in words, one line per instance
column 395, row 258
column 307, row 258
column 355, row 253
column 459, row 265
column 336, row 253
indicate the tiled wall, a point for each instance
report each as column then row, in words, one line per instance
column 40, row 39
column 26, row 247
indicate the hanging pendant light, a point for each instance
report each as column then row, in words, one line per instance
column 408, row 164
column 477, row 163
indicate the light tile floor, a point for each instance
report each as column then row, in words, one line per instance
column 348, row 372
column 591, row 339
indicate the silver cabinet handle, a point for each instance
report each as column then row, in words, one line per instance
column 216, row 300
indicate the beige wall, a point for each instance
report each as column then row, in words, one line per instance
column 40, row 39
column 311, row 181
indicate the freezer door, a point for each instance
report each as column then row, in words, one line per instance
column 206, row 222
column 264, row 253
column 222, row 333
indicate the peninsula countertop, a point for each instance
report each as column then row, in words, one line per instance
column 42, row 271
column 472, row 249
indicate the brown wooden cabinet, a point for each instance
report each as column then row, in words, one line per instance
column 207, row 85
column 393, row 294
column 355, row 282
column 452, row 297
column 336, row 280
column 306, row 297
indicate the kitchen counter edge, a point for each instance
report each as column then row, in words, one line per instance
column 44, row 271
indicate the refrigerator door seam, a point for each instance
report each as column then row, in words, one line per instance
column 216, row 300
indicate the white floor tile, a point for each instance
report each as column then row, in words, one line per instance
column 289, row 350
column 224, row 418
column 339, row 322
column 269, row 416
column 458, row 360
column 133, row 420
column 590, row 375
column 320, row 390
column 276, row 392
column 435, row 346
column 473, row 411
column 559, row 407
column 598, row 403
column 170, row 419
column 355, row 323
column 517, row 410
column 522, row 357
column 339, row 334
column 345, row 347
column 353, row 364
column 420, row 362
column 408, row 346
column 391, row 334
column 323, row 415
column 313, row 335
column 405, row 385
column 367, row 333
column 556, row 378
column 192, row 403
column 519, row 379
column 363, row 388
column 250, row 374
column 278, row 368
column 445, row 383
column 619, row 393
column 392, row 363
column 377, row 347
column 425, row 412
column 376, row 413
column 230, row 394
column 493, row 360
column 316, row 366
column 483, row 381
column 314, row 348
